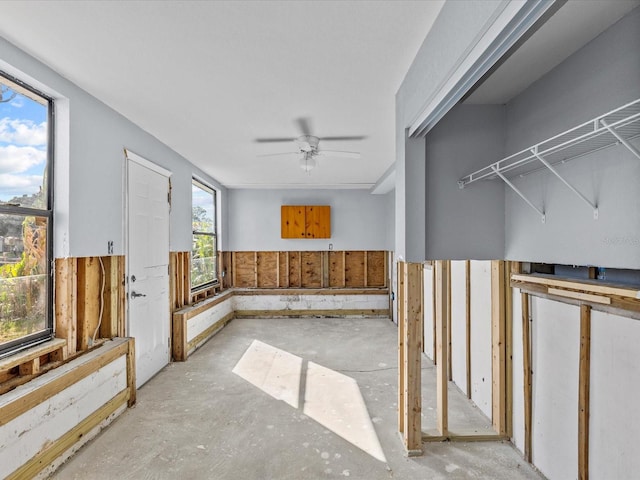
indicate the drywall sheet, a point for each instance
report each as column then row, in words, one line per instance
column 459, row 324
column 481, row 335
column 614, row 421
column 428, row 312
column 518, row 372
column 556, row 354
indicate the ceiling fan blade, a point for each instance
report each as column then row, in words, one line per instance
column 356, row 137
column 304, row 125
column 281, row 154
column 273, row 140
column 333, row 153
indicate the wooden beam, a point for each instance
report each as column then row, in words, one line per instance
column 122, row 307
column 433, row 311
column 508, row 302
column 498, row 348
column 366, row 266
column 89, row 284
column 449, row 329
column 413, row 360
column 441, row 353
column 467, row 271
column 112, row 286
column 402, row 313
column 234, row 280
column 583, row 392
column 66, row 286
column 589, row 286
column 526, row 366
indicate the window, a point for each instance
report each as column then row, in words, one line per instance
column 25, row 216
column 204, row 270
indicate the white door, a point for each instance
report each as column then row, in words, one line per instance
column 148, row 268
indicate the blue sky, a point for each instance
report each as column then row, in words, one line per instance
column 23, row 146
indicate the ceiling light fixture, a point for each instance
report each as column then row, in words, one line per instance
column 307, row 162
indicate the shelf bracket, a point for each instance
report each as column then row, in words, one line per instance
column 624, row 142
column 520, row 194
column 534, row 150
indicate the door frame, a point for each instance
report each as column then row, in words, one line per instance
column 130, row 156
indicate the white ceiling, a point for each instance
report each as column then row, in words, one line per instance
column 209, row 77
column 570, row 28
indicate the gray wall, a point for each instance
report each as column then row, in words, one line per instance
column 468, row 223
column 457, row 27
column 603, row 75
column 359, row 220
column 89, row 165
column 415, row 165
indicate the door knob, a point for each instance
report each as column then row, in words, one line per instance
column 135, row 294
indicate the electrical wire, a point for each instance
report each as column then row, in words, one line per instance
column 95, row 333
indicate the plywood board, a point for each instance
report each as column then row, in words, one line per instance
column 245, row 269
column 267, row 269
column 295, row 269
column 89, row 288
column 354, row 269
column 376, row 270
column 283, row 269
column 336, row 269
column 311, row 269
column 65, row 301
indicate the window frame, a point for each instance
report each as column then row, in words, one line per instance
column 48, row 332
column 209, row 189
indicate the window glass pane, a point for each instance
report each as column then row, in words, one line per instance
column 203, row 260
column 203, row 210
column 23, row 147
column 23, row 276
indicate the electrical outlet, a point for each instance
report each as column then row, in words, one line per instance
column 110, row 247
column 331, row 246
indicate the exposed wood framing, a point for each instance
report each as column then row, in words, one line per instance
column 462, row 436
column 583, row 392
column 402, row 313
column 449, row 329
column 433, row 311
column 467, row 270
column 413, row 360
column 52, row 450
column 508, row 307
column 498, row 347
column 442, row 272
column 410, row 316
column 307, row 269
column 65, row 301
column 81, row 284
column 526, row 365
column 614, row 299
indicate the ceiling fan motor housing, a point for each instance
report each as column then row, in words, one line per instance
column 308, row 143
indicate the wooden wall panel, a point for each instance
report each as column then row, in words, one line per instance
column 336, row 269
column 376, row 269
column 354, row 269
column 267, row 269
column 88, row 300
column 311, row 270
column 244, row 269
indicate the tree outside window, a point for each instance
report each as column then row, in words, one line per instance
column 204, row 248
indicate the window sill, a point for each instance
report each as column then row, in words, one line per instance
column 21, row 367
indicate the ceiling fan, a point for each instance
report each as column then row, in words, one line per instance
column 308, row 146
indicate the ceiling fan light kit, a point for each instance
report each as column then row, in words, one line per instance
column 307, row 162
column 308, row 147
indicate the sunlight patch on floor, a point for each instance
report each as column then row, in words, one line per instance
column 330, row 398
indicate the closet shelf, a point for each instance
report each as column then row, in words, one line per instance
column 618, row 126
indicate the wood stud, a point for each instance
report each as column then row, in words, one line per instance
column 498, row 347
column 583, row 392
column 442, row 269
column 526, row 365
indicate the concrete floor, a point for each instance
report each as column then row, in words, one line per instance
column 199, row 420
